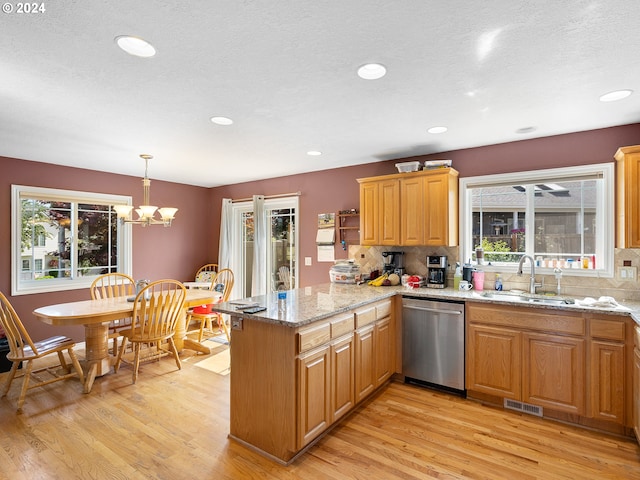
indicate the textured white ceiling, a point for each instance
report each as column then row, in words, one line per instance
column 285, row 72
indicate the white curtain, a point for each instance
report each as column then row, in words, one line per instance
column 259, row 275
column 226, row 232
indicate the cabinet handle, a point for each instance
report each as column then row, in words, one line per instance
column 434, row 310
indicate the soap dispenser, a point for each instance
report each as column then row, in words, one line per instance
column 457, row 276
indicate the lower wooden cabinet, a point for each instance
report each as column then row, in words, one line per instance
column 636, row 384
column 383, row 344
column 554, row 372
column 341, row 362
column 607, row 381
column 343, row 393
column 365, row 362
column 569, row 362
column 314, row 394
column 494, row 361
column 374, row 356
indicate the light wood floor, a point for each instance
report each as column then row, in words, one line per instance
column 173, row 425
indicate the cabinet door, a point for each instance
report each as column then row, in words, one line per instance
column 389, row 219
column 633, row 195
column 636, row 392
column 383, row 350
column 607, row 381
column 365, row 362
column 342, row 377
column 494, row 361
column 313, row 395
column 369, row 213
column 554, row 372
column 412, row 211
column 628, row 196
column 437, row 212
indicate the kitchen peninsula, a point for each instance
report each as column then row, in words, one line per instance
column 298, row 368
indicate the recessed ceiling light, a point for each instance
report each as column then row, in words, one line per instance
column 616, row 95
column 221, row 120
column 372, row 71
column 314, row 153
column 526, row 130
column 135, row 46
column 437, row 129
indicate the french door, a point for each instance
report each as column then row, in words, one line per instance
column 281, row 218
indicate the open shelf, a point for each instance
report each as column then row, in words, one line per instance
column 348, row 222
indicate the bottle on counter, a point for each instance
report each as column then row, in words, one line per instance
column 457, row 276
column 478, row 280
column 498, row 282
column 282, row 301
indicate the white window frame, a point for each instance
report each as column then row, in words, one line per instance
column 605, row 214
column 237, row 263
column 19, row 287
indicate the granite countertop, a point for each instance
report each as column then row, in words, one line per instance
column 310, row 304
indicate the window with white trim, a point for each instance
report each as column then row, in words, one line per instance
column 63, row 239
column 562, row 218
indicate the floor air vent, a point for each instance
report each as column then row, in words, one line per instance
column 523, row 407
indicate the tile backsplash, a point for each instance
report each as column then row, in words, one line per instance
column 370, row 258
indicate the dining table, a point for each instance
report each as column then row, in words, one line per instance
column 202, row 285
column 96, row 315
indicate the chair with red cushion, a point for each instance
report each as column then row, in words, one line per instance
column 222, row 283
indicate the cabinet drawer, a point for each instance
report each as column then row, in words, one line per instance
column 558, row 322
column 383, row 309
column 314, row 336
column 607, row 329
column 342, row 325
column 365, row 316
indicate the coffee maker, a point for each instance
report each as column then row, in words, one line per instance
column 393, row 263
column 436, row 271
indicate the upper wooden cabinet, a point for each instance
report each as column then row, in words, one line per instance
column 379, row 211
column 410, row 209
column 628, row 197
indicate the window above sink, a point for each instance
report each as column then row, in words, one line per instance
column 563, row 218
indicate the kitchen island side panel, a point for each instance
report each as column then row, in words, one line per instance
column 263, row 398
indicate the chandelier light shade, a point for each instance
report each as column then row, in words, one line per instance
column 146, row 212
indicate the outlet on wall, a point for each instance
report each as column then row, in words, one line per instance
column 307, row 261
column 627, row 273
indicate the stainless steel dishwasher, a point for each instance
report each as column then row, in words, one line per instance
column 433, row 343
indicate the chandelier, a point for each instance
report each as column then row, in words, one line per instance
column 146, row 211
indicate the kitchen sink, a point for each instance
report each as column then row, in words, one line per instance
column 525, row 298
column 550, row 301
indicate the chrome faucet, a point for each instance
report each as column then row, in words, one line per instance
column 532, row 281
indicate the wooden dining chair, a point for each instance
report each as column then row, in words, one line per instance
column 112, row 285
column 23, row 349
column 223, row 284
column 284, row 275
column 156, row 310
column 206, row 273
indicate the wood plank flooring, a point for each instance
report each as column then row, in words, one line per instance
column 173, row 425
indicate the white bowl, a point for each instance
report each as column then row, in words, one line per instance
column 408, row 167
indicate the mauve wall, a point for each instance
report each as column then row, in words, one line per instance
column 193, row 239
column 158, row 252
column 337, row 189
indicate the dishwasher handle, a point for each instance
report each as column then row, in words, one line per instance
column 433, row 310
